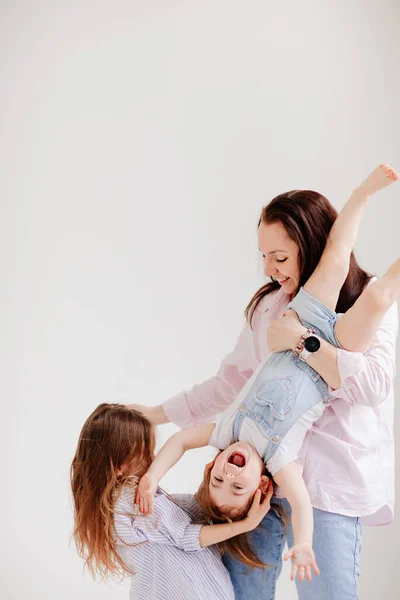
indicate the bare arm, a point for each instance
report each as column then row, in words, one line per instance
column 289, row 478
column 301, row 553
column 354, row 377
column 284, row 334
column 214, row 534
column 173, row 528
column 177, row 445
column 326, row 281
column 168, row 456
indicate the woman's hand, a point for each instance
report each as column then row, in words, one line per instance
column 145, row 493
column 259, row 509
column 285, row 333
column 155, row 414
column 303, row 559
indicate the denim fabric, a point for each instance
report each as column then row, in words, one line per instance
column 337, row 546
column 286, row 387
column 315, row 315
column 268, row 542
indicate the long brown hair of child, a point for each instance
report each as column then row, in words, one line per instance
column 238, row 546
column 111, row 437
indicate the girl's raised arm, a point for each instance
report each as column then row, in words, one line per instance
column 170, row 453
column 331, row 272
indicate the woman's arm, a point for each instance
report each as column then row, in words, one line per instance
column 168, row 456
column 203, row 402
column 284, row 334
column 354, row 377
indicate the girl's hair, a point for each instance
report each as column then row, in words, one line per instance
column 237, row 546
column 112, row 436
column 308, row 217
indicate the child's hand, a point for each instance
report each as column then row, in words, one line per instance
column 259, row 509
column 303, row 559
column 145, row 493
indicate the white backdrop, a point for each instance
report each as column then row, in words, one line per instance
column 139, row 141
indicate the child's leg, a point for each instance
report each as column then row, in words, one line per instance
column 327, row 280
column 357, row 327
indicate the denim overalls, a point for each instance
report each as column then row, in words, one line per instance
column 286, row 386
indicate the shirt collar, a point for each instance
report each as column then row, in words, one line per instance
column 277, row 300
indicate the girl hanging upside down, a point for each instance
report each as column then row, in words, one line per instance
column 266, row 425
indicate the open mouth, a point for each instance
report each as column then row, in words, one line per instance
column 237, row 459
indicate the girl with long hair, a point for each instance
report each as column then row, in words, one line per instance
column 170, row 555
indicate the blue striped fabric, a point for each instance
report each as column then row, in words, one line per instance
column 163, row 550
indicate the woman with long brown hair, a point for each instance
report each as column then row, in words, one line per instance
column 347, row 456
column 115, row 448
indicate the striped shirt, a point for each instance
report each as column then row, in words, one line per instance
column 163, row 550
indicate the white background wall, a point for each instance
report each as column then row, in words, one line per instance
column 139, row 141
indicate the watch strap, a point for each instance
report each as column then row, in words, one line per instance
column 300, row 346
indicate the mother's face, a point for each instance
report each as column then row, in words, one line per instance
column 280, row 255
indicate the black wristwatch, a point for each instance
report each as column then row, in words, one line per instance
column 311, row 344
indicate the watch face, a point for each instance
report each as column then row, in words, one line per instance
column 312, row 344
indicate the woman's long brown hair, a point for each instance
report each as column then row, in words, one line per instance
column 238, row 546
column 112, row 436
column 308, row 217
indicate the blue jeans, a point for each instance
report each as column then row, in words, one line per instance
column 337, row 546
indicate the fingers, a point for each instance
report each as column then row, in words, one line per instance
column 145, row 504
column 270, row 490
column 255, row 505
column 315, row 567
column 302, row 564
column 256, row 498
column 266, row 503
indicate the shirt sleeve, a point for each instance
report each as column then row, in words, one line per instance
column 204, row 401
column 222, row 436
column 367, row 379
column 168, row 524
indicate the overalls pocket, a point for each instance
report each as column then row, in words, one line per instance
column 278, row 395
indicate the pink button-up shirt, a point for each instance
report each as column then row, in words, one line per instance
column 348, row 455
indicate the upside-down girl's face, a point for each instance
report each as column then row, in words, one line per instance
column 235, row 476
